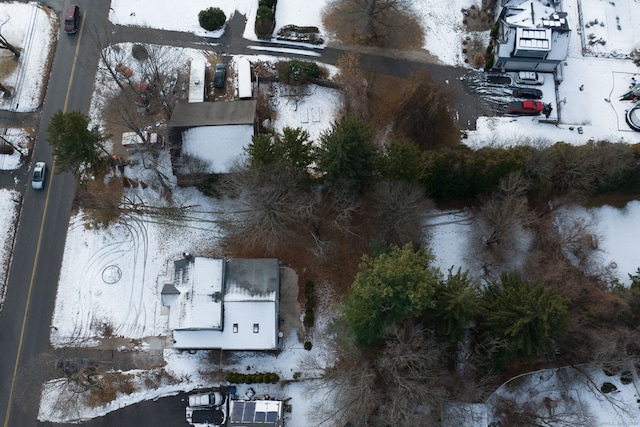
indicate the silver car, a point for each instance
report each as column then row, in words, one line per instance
column 39, row 175
column 529, row 78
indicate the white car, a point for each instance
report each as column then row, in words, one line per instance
column 529, row 78
column 39, row 175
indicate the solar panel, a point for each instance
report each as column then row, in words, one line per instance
column 272, row 417
column 249, row 409
column 260, row 417
column 238, row 408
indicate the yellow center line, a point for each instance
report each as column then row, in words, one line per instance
column 35, row 262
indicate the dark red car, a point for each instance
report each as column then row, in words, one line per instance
column 526, row 107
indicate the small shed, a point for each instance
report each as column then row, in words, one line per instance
column 197, row 80
column 245, row 88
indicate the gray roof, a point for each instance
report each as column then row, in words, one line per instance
column 257, row 277
column 213, row 113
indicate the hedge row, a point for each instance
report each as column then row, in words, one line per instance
column 260, row 377
column 265, row 19
column 310, row 303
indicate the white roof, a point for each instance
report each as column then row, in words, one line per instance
column 196, row 80
column 247, row 336
column 248, row 304
column 219, row 146
column 199, row 304
column 244, row 78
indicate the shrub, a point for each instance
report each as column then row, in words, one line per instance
column 298, row 72
column 264, row 28
column 265, row 12
column 212, row 19
column 494, row 31
column 489, row 64
column 608, row 388
column 308, row 345
column 310, row 303
column 260, row 377
column 267, row 3
column 139, row 52
column 309, row 318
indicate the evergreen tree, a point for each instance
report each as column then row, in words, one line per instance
column 528, row 317
column 290, row 151
column 397, row 285
column 401, row 161
column 261, row 150
column 76, row 148
column 347, row 153
column 457, row 303
column 294, row 148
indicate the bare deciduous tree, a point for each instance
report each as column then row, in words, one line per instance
column 373, row 21
column 427, row 112
column 5, row 44
column 393, row 384
column 357, row 85
column 399, row 210
column 506, row 210
column 268, row 207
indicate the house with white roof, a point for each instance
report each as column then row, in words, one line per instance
column 218, row 304
column 532, row 36
column 215, row 132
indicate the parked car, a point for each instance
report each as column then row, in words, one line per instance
column 220, row 75
column 529, row 78
column 71, row 19
column 527, row 107
column 39, row 175
column 527, row 92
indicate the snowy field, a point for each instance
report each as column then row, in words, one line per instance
column 9, row 205
column 136, row 252
column 33, row 29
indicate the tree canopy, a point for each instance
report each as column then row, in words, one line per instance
column 76, row 148
column 291, row 151
column 528, row 317
column 347, row 152
column 212, row 19
column 457, row 303
column 396, row 285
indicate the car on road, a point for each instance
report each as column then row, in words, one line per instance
column 71, row 19
column 527, row 92
column 529, row 78
column 526, row 107
column 39, row 175
column 220, row 75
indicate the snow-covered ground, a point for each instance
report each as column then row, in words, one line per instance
column 34, row 30
column 137, row 251
column 9, row 206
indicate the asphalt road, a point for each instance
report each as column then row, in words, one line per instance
column 41, row 234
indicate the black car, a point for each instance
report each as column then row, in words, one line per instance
column 220, row 75
column 527, row 92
